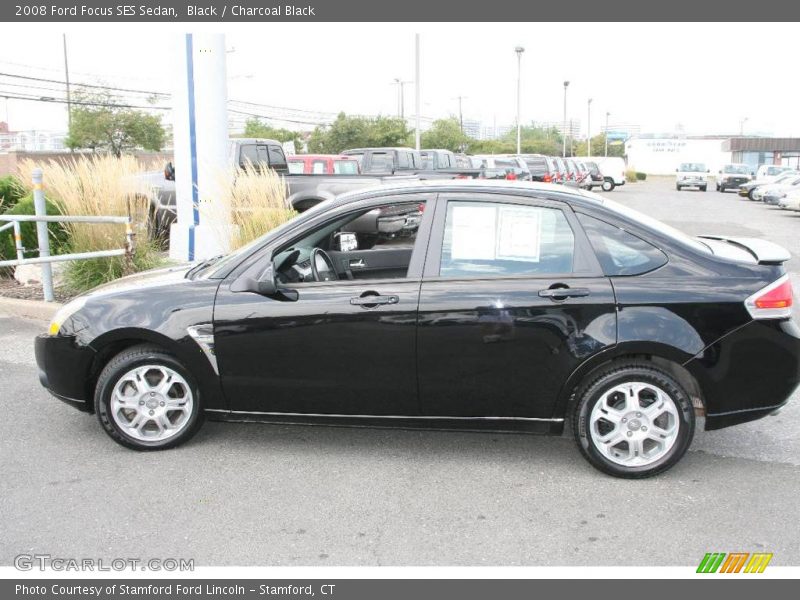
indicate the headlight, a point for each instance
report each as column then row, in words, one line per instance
column 64, row 313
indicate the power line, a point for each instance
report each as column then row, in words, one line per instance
column 87, row 85
column 31, row 98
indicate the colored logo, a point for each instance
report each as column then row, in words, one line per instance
column 734, row 562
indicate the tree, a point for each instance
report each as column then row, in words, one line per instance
column 445, row 134
column 615, row 148
column 535, row 140
column 256, row 128
column 359, row 132
column 101, row 122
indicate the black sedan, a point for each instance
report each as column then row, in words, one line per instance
column 459, row 304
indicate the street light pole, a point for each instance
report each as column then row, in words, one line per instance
column 66, row 74
column 606, row 136
column 564, row 140
column 741, row 126
column 519, row 50
column 589, row 128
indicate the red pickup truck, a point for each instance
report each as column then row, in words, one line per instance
column 322, row 164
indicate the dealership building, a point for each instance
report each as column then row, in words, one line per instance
column 661, row 155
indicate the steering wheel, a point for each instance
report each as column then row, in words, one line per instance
column 322, row 268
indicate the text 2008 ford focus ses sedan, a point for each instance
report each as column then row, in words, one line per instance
column 446, row 304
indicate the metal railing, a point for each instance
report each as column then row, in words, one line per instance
column 42, row 219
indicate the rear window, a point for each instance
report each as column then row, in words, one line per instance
column 381, row 163
column 296, row 167
column 620, row 252
column 318, row 167
column 345, row 167
column 537, row 165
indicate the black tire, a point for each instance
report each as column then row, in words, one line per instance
column 614, row 374
column 121, row 364
column 677, row 187
column 608, row 185
column 703, row 188
column 750, row 195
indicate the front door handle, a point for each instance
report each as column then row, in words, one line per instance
column 357, row 263
column 369, row 301
column 561, row 293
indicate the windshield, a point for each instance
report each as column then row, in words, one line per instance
column 237, row 255
column 692, row 167
column 736, row 169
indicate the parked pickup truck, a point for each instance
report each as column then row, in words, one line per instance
column 427, row 164
column 303, row 191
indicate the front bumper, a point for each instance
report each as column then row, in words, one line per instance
column 731, row 182
column 772, row 198
column 694, row 182
column 65, row 368
column 749, row 373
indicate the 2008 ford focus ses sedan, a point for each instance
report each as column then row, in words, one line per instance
column 509, row 306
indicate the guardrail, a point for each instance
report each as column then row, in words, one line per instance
column 41, row 219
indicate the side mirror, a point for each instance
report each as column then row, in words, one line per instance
column 169, row 172
column 265, row 285
column 676, row 170
column 708, row 170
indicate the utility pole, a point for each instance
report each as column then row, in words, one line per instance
column 606, row 136
column 519, row 50
column 417, row 94
column 589, row 128
column 564, row 148
column 66, row 73
column 460, row 112
column 400, row 96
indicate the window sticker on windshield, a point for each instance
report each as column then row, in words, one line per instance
column 519, row 234
column 474, row 231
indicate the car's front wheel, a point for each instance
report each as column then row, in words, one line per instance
column 633, row 420
column 145, row 399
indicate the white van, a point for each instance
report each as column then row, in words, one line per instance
column 612, row 168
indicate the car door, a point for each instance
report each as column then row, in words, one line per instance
column 512, row 301
column 342, row 347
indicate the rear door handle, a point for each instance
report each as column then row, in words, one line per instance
column 561, row 293
column 374, row 300
column 357, row 263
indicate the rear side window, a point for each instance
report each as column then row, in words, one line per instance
column 488, row 239
column 620, row 252
column 277, row 158
column 381, row 163
column 318, row 167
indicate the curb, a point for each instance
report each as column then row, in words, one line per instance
column 29, row 309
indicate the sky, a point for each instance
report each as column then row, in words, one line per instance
column 706, row 78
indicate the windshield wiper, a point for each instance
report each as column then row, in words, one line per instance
column 202, row 265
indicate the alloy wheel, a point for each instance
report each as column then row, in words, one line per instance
column 634, row 424
column 151, row 403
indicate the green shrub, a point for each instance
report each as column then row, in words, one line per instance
column 83, row 275
column 11, row 190
column 641, row 176
column 58, row 236
column 630, row 176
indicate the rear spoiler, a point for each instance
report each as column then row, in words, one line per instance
column 765, row 253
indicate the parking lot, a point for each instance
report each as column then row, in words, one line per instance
column 253, row 494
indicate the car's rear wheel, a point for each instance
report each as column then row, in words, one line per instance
column 633, row 420
column 145, row 399
column 703, row 188
column 608, row 185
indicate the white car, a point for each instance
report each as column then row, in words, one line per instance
column 785, row 181
column 771, row 171
column 692, row 174
column 791, row 201
column 731, row 176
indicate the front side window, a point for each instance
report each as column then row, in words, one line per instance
column 620, row 252
column 488, row 239
column 371, row 244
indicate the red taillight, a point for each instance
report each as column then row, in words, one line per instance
column 773, row 301
column 547, row 178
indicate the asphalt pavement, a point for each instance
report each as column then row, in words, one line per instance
column 253, row 494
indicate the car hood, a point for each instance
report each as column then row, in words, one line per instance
column 172, row 275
